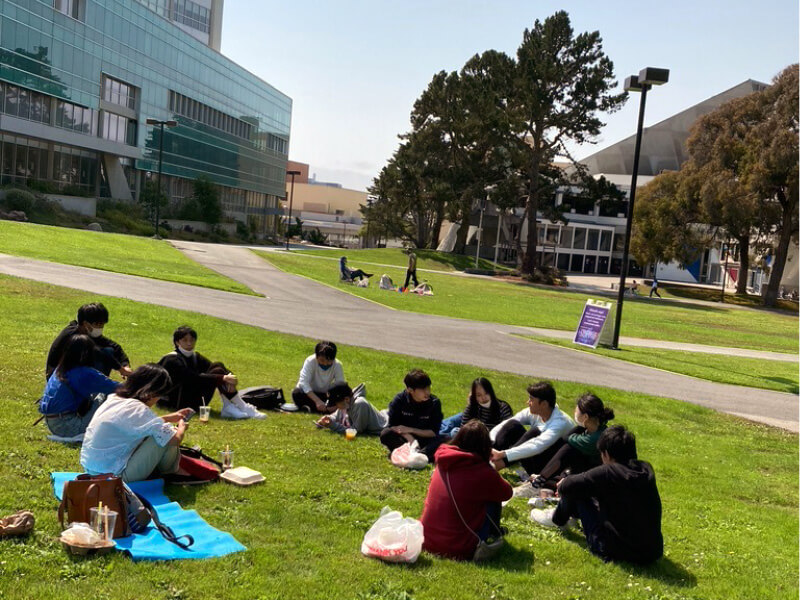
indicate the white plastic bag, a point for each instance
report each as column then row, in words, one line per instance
column 408, row 456
column 393, row 538
column 363, row 282
column 386, row 283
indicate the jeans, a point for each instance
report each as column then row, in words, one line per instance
column 491, row 526
column 71, row 425
column 450, row 426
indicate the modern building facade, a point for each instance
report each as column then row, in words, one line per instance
column 79, row 79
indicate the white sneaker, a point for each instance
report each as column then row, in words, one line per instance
column 231, row 411
column 252, row 412
column 526, row 490
column 544, row 517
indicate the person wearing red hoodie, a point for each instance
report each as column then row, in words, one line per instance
column 475, row 491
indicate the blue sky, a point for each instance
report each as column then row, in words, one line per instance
column 354, row 68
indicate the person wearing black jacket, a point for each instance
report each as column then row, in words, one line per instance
column 618, row 503
column 195, row 378
column 107, row 355
column 414, row 414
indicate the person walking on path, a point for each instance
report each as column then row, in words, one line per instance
column 654, row 288
column 411, row 272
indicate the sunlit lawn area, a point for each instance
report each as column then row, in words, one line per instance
column 729, row 488
column 752, row 372
column 129, row 254
column 426, row 259
column 489, row 299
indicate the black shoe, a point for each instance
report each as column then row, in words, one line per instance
column 368, row 275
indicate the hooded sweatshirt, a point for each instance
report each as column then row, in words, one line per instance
column 474, row 484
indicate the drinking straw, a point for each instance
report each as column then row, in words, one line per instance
column 105, row 522
column 99, row 512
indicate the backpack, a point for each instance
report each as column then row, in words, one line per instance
column 263, row 397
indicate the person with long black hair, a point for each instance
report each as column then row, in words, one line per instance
column 127, row 438
column 483, row 405
column 74, row 390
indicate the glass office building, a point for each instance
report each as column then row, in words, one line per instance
column 79, row 79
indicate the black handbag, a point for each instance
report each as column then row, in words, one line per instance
column 263, row 397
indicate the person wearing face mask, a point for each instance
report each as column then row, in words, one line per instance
column 321, row 371
column 107, row 355
column 194, row 379
column 580, row 452
column 352, row 412
column 483, row 405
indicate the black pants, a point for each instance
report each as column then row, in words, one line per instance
column 567, row 457
column 303, row 402
column 491, row 525
column 513, row 433
column 357, row 274
column 427, row 446
column 411, row 275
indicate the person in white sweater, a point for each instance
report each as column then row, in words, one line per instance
column 321, row 371
column 352, row 411
column 534, row 447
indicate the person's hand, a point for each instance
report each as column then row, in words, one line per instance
column 408, row 437
column 125, row 371
column 231, row 379
column 558, row 483
column 185, row 413
column 182, row 426
column 401, row 429
column 324, row 421
column 498, row 464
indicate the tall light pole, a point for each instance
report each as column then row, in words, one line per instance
column 291, row 199
column 161, row 125
column 647, row 78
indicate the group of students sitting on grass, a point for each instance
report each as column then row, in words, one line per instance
column 593, row 468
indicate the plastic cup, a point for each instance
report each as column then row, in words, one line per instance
column 103, row 521
column 350, row 434
column 226, row 458
column 205, row 412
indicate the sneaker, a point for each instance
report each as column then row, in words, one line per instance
column 544, row 517
column 231, row 411
column 360, row 391
column 525, row 490
column 537, row 502
column 252, row 412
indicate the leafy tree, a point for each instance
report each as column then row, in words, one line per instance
column 295, row 229
column 562, row 81
column 206, row 198
column 151, row 195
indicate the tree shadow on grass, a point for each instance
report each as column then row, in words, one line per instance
column 664, row 569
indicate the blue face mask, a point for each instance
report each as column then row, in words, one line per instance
column 325, row 367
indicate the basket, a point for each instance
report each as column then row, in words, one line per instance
column 103, row 547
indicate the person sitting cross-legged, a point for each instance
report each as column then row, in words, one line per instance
column 618, row 503
column 533, row 447
column 482, row 404
column 194, row 379
column 414, row 414
column 352, row 412
column 321, row 371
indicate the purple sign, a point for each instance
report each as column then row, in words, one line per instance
column 591, row 324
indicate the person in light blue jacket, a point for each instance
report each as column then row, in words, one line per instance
column 534, row 447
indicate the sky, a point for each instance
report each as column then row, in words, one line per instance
column 354, row 68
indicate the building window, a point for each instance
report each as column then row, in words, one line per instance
column 119, row 92
column 202, row 113
column 25, row 104
column 118, row 129
column 71, row 8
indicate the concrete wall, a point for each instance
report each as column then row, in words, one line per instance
column 78, row 204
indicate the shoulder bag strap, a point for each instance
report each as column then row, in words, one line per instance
column 460, row 516
column 165, row 530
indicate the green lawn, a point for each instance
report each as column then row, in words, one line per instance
column 736, row 370
column 129, row 254
column 426, row 259
column 489, row 299
column 729, row 488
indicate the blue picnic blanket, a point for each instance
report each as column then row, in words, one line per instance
column 151, row 545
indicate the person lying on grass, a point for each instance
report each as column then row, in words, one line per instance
column 75, row 390
column 352, row 412
column 618, row 503
column 533, row 447
column 482, row 404
column 463, row 501
column 107, row 355
column 580, row 452
column 321, row 371
column 414, row 414
column 194, row 379
column 128, row 439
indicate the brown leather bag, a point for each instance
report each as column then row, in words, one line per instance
column 87, row 491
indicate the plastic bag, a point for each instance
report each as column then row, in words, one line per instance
column 386, row 283
column 81, row 534
column 393, row 538
column 363, row 282
column 408, row 456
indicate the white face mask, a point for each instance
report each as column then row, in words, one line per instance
column 485, row 405
column 186, row 353
column 95, row 332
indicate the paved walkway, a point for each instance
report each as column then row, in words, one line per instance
column 299, row 306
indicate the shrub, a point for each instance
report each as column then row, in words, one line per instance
column 19, row 200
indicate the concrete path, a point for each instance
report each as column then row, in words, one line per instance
column 299, row 306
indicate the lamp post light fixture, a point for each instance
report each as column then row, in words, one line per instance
column 647, row 78
column 161, row 125
column 291, row 199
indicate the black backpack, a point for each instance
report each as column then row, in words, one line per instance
column 263, row 397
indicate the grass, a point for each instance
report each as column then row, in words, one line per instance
column 426, row 259
column 489, row 299
column 711, row 295
column 729, row 488
column 736, row 370
column 114, row 252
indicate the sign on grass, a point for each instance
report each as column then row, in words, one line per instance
column 593, row 323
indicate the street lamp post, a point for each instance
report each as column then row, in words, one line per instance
column 647, row 78
column 161, row 125
column 291, row 199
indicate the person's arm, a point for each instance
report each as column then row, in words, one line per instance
column 534, row 445
column 178, row 416
column 180, row 430
column 304, row 381
column 421, row 433
column 118, row 354
column 338, row 373
column 92, row 381
column 335, row 422
column 393, row 412
column 584, row 484
column 468, row 414
column 494, row 488
column 584, row 442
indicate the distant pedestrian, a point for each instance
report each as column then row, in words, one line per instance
column 411, row 272
column 654, row 288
